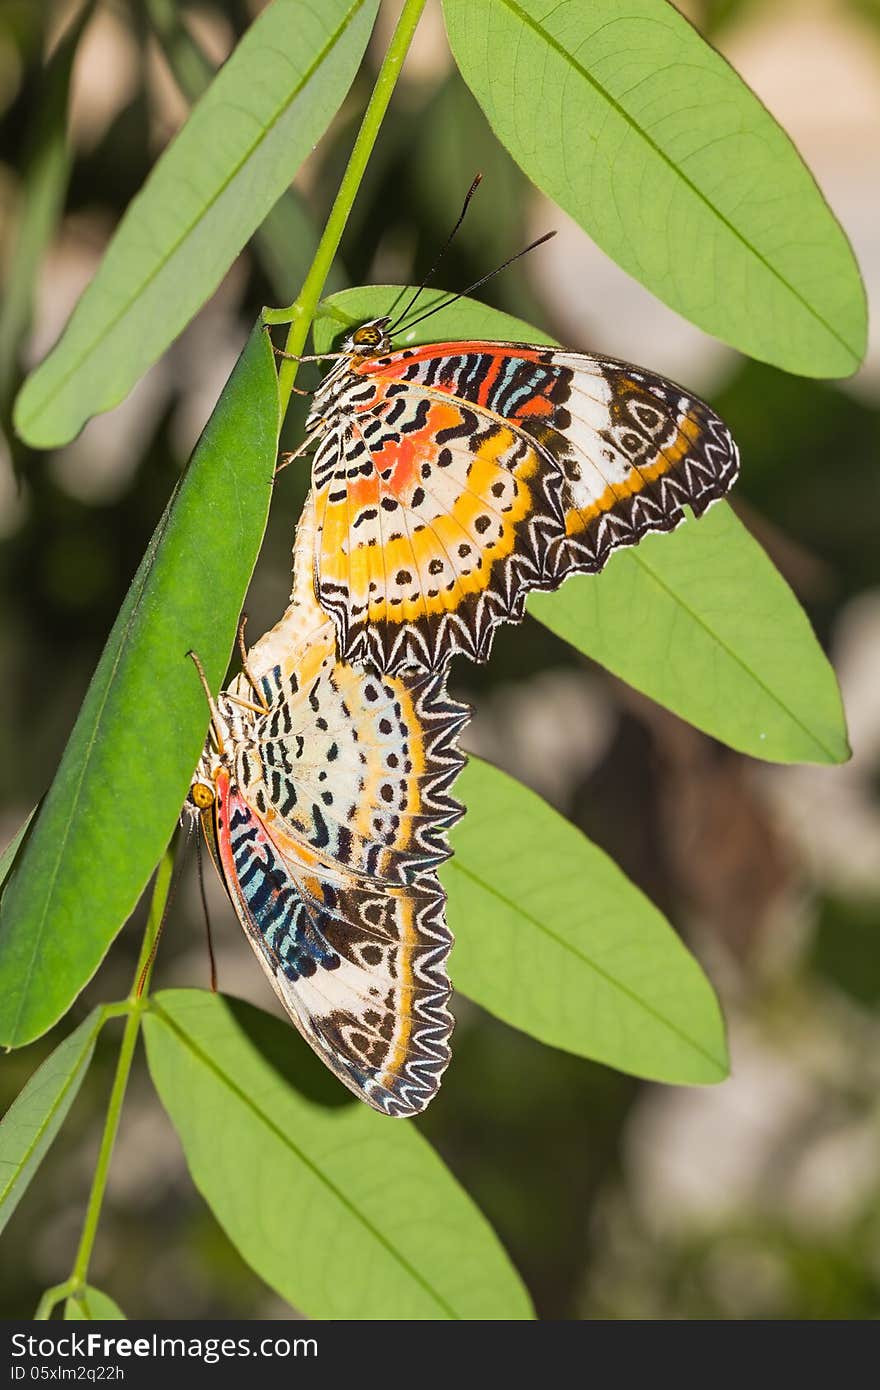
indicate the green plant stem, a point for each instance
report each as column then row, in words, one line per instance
column 51, row 1298
column 300, row 314
column 133, row 1008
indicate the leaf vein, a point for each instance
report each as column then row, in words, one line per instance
column 287, row 1142
column 568, row 57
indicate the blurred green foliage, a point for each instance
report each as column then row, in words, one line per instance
column 546, row 1143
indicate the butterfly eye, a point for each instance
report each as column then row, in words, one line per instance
column 367, row 337
column 201, row 796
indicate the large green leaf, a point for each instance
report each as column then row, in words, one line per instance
column 92, row 1305
column 699, row 620
column 552, row 937
column 343, row 1212
column 208, row 193
column 632, row 123
column 287, row 238
column 116, row 796
column 703, row 622
column 37, row 1113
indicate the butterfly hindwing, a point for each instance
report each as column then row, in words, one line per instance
column 357, row 764
column 358, row 966
column 327, row 813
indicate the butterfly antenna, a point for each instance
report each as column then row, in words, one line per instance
column 443, row 249
column 242, row 651
column 207, row 916
column 212, row 704
column 435, row 309
column 172, row 890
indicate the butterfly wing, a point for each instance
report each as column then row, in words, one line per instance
column 360, row 766
column 330, row 814
column 635, row 450
column 356, row 764
column 359, row 967
column 455, row 478
column 434, row 519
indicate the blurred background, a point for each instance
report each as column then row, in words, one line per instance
column 759, row 1198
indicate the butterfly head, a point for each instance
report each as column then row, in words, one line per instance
column 203, row 787
column 370, row 339
column 220, row 744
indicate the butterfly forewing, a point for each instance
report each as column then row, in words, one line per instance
column 635, row 450
column 433, row 520
column 455, row 478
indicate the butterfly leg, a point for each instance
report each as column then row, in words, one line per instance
column 309, row 357
column 299, row 357
column 310, row 439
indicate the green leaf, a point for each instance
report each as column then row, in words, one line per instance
column 553, row 938
column 703, row 623
column 699, row 620
column 287, row 238
column 38, row 1112
column 343, row 1212
column 620, row 112
column 92, row 1305
column 238, row 151
column 124, row 774
column 190, row 66
column 8, row 857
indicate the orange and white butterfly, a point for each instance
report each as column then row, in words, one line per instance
column 324, row 793
column 450, row 480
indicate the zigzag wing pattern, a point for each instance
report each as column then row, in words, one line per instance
column 359, row 966
column 434, row 520
column 453, row 479
column 327, row 814
column 634, row 448
column 357, row 764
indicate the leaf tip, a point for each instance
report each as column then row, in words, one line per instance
column 35, row 426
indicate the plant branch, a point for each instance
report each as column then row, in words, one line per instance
column 51, row 1298
column 300, row 314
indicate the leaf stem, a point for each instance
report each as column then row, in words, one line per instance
column 300, row 314
column 133, row 1008
column 51, row 1298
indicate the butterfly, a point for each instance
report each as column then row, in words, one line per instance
column 324, row 796
column 452, row 479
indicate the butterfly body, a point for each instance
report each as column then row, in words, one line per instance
column 452, row 479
